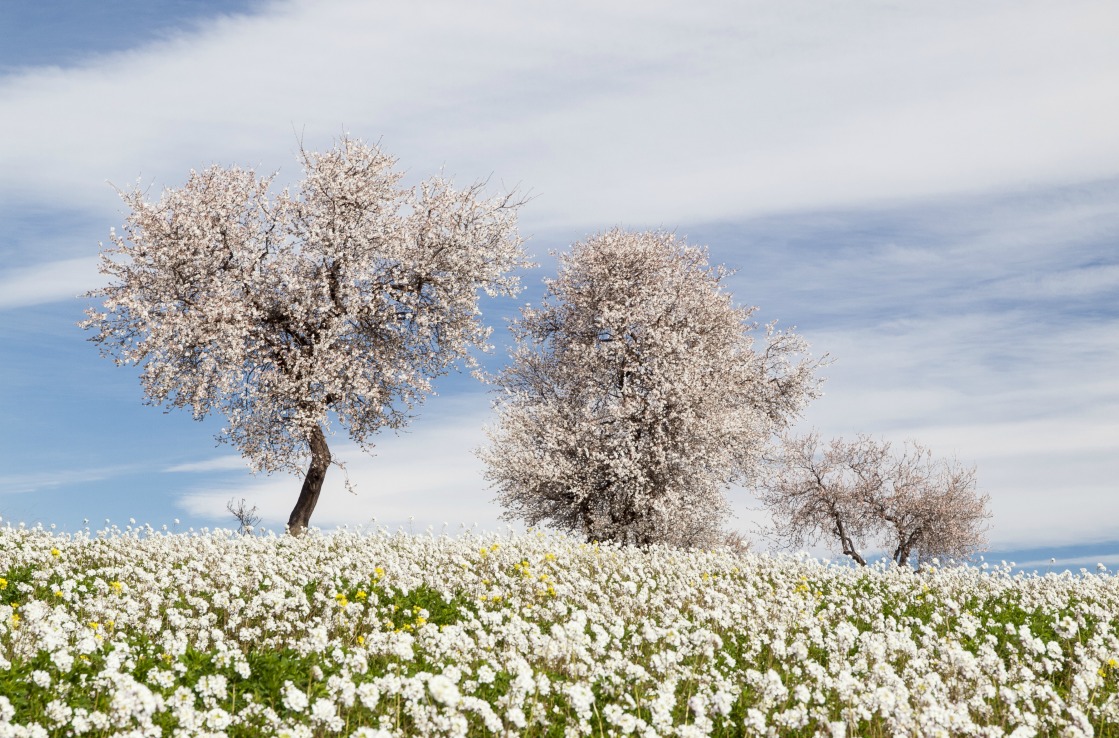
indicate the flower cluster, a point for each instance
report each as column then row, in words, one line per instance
column 368, row 634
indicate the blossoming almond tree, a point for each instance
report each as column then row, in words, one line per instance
column 856, row 493
column 284, row 312
column 636, row 395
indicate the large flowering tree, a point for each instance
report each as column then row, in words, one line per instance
column 637, row 395
column 286, row 312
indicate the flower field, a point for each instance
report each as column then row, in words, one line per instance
column 144, row 633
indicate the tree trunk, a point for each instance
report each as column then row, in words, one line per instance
column 312, row 484
column 845, row 540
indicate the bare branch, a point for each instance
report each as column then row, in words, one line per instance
column 857, row 494
column 247, row 518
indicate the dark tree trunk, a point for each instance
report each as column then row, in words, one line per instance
column 845, row 540
column 312, row 484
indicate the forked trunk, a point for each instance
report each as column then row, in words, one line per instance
column 312, row 484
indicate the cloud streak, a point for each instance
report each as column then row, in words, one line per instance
column 631, row 112
column 51, row 281
column 220, row 463
column 53, row 479
column 425, row 476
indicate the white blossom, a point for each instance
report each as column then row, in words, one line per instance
column 443, row 690
column 7, row 712
column 323, row 712
column 637, row 395
column 281, row 311
column 294, row 698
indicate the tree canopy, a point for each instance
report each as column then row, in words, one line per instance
column 859, row 494
column 289, row 312
column 636, row 395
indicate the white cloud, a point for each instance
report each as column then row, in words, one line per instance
column 1078, row 283
column 220, row 463
column 428, row 474
column 1059, row 564
column 1034, row 411
column 650, row 112
column 50, row 281
column 55, row 478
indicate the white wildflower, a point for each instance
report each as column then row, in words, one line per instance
column 443, row 690
column 324, row 713
column 582, row 700
column 294, row 698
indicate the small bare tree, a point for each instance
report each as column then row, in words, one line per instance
column 246, row 516
column 287, row 312
column 636, row 396
column 857, row 494
column 735, row 542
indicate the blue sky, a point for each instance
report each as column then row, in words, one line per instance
column 927, row 191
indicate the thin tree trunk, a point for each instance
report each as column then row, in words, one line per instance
column 312, row 484
column 848, row 544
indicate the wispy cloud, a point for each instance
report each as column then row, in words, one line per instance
column 649, row 112
column 1074, row 564
column 1049, row 251
column 55, row 478
column 50, row 281
column 426, row 476
column 220, row 463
